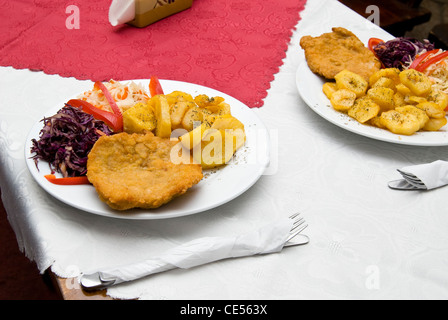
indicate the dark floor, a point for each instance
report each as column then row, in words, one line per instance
column 19, row 277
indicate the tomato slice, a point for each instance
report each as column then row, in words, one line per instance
column 374, row 42
column 67, row 181
column 419, row 59
column 155, row 87
column 112, row 120
column 431, row 61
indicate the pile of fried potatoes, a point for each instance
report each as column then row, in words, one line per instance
column 203, row 125
column 402, row 102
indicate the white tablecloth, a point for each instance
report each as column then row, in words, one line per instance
column 367, row 241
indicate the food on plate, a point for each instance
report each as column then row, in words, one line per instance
column 218, row 141
column 401, row 86
column 66, row 139
column 403, row 102
column 128, row 108
column 125, row 95
column 382, row 96
column 180, row 115
column 400, row 122
column 351, row 81
column 409, row 53
column 113, row 120
column 163, row 116
column 339, row 50
column 364, row 109
column 399, row 52
column 342, row 99
column 139, row 118
column 435, row 66
column 417, row 82
column 136, row 171
column 146, row 157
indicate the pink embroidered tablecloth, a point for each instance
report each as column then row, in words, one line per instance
column 233, row 46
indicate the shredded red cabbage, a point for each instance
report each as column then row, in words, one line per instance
column 66, row 139
column 400, row 52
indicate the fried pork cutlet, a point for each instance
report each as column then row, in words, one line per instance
column 135, row 171
column 330, row 53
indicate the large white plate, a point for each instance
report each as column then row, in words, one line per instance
column 216, row 188
column 309, row 86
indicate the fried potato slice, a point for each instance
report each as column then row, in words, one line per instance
column 400, row 123
column 162, row 111
column 343, row 99
column 421, row 115
column 351, row 81
column 416, row 81
column 139, row 119
column 364, row 109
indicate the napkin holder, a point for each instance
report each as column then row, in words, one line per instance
column 150, row 11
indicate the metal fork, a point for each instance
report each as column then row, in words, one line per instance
column 298, row 226
column 412, row 179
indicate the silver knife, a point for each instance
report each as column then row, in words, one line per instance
column 97, row 281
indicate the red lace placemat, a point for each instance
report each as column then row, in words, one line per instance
column 233, row 46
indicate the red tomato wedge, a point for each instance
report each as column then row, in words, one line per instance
column 112, row 120
column 374, row 42
column 155, row 87
column 67, row 181
column 422, row 67
column 420, row 58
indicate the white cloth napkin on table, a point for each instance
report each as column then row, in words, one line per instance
column 268, row 239
column 433, row 175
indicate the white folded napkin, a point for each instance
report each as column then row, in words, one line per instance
column 433, row 175
column 121, row 11
column 268, row 239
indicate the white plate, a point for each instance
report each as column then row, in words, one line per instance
column 310, row 89
column 216, row 188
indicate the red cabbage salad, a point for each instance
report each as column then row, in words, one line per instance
column 400, row 52
column 66, row 140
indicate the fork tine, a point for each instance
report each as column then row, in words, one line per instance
column 297, row 223
column 410, row 176
column 297, row 220
column 404, row 173
column 294, row 215
column 412, row 179
column 296, row 232
column 297, row 226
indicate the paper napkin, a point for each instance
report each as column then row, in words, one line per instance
column 121, row 11
column 268, row 239
column 433, row 175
